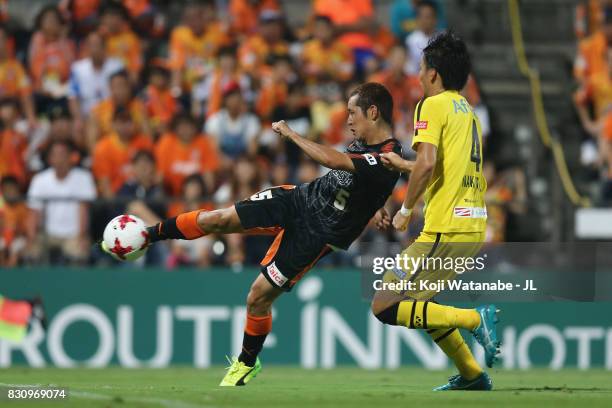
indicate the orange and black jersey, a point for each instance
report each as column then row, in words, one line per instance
column 339, row 205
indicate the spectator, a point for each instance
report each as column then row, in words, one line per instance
column 234, row 129
column 244, row 14
column 59, row 198
column 324, row 58
column 121, row 42
column 185, row 152
column 13, row 144
column 146, row 17
column 160, row 105
column 255, row 51
column 274, row 83
column 58, row 128
column 297, row 115
column 121, row 96
column 16, row 232
column 50, row 55
column 82, row 14
column 14, row 81
column 405, row 89
column 195, row 252
column 354, row 21
column 208, row 94
column 89, row 79
column 112, row 154
column 194, row 44
column 426, row 23
column 404, row 17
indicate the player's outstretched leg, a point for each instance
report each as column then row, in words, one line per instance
column 246, row 366
column 196, row 224
column 441, row 323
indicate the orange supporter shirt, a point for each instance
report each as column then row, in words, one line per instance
column 343, row 12
column 14, row 81
column 160, row 105
column 13, row 219
column 12, row 151
column 335, row 60
column 219, row 80
column 112, row 158
column 245, row 16
column 592, row 56
column 272, row 94
column 253, row 52
column 137, row 7
column 104, row 111
column 194, row 53
column 50, row 61
column 177, row 160
column 126, row 47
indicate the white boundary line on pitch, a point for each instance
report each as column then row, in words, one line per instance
column 95, row 396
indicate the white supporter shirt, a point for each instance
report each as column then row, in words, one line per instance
column 415, row 44
column 61, row 217
column 89, row 85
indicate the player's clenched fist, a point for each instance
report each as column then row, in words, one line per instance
column 400, row 221
column 282, row 128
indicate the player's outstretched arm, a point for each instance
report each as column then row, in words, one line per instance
column 394, row 161
column 325, row 156
column 421, row 173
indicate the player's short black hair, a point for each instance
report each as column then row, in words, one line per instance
column 373, row 93
column 448, row 55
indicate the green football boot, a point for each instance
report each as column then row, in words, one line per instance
column 239, row 373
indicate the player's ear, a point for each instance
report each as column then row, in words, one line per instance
column 373, row 113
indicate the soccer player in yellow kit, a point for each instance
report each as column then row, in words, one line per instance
column 448, row 172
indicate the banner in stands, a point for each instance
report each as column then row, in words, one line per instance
column 156, row 318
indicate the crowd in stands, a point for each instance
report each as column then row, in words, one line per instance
column 593, row 96
column 109, row 107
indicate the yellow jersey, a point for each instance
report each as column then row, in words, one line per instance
column 454, row 198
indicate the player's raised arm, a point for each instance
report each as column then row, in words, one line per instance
column 324, row 155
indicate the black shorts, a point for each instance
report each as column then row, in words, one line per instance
column 294, row 251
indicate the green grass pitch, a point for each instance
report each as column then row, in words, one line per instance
column 282, row 386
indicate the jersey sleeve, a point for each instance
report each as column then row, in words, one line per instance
column 428, row 122
column 370, row 166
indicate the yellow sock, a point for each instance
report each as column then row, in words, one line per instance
column 453, row 345
column 429, row 315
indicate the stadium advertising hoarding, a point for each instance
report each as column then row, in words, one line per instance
column 156, row 318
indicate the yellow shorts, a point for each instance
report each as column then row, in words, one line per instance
column 434, row 257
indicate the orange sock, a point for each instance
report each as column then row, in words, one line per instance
column 187, row 223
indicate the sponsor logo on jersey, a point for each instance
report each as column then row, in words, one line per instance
column 421, row 125
column 276, row 275
column 470, row 212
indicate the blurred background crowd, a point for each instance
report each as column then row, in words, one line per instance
column 155, row 108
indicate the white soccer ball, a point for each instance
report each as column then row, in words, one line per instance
column 126, row 237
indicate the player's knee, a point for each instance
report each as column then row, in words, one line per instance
column 384, row 313
column 258, row 303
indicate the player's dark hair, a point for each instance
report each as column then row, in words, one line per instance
column 428, row 4
column 448, row 55
column 373, row 93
